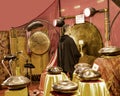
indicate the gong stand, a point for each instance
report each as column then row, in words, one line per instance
column 107, row 27
column 29, row 66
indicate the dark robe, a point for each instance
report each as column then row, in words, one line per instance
column 68, row 54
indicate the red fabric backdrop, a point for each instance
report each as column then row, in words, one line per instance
column 16, row 13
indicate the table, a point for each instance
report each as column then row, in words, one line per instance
column 50, row 79
column 21, row 92
column 91, row 88
column 97, row 88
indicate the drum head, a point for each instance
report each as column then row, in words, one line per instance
column 39, row 43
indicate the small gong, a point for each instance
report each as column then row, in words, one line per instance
column 39, row 42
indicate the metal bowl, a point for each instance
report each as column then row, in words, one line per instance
column 89, row 74
column 110, row 51
column 81, row 67
column 55, row 70
column 16, row 82
column 65, row 86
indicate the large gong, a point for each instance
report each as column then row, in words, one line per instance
column 90, row 35
column 39, row 42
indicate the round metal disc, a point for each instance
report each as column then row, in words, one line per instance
column 90, row 35
column 39, row 43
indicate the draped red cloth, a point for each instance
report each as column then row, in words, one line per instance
column 53, row 62
column 109, row 68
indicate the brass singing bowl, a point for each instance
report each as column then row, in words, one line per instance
column 89, row 75
column 39, row 42
column 110, row 51
column 79, row 65
column 16, row 82
column 65, row 86
column 55, row 70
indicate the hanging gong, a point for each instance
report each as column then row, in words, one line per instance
column 39, row 43
column 90, row 35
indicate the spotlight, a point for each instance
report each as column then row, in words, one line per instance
column 88, row 12
column 58, row 22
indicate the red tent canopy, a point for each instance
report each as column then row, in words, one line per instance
column 14, row 13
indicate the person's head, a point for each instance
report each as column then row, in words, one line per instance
column 65, row 29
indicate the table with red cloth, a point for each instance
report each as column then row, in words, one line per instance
column 109, row 67
column 91, row 88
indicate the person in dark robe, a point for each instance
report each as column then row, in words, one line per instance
column 68, row 54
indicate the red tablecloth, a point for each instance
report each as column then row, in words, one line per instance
column 109, row 68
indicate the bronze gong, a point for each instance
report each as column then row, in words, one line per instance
column 39, row 42
column 90, row 35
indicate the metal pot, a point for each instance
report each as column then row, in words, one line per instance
column 16, row 82
column 55, row 70
column 66, row 86
column 81, row 67
column 110, row 51
column 89, row 74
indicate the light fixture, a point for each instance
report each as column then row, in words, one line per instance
column 88, row 12
column 58, row 22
